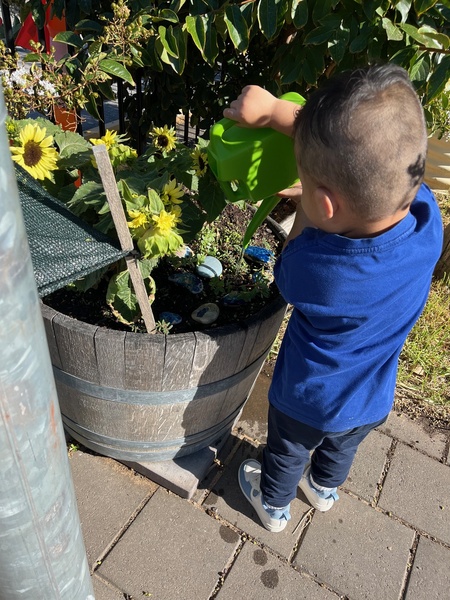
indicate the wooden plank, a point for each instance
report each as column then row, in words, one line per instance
column 216, row 355
column 203, row 413
column 144, row 361
column 115, row 204
column 110, row 352
column 180, row 351
column 76, row 347
column 48, row 314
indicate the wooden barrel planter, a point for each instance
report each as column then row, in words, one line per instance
column 140, row 397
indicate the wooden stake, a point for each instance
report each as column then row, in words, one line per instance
column 126, row 243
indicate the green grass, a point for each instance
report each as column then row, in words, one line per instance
column 424, row 368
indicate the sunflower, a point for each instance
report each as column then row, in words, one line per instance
column 176, row 211
column 200, row 160
column 165, row 221
column 172, row 193
column 109, row 139
column 35, row 153
column 138, row 219
column 164, row 139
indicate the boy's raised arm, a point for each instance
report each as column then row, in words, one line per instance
column 256, row 107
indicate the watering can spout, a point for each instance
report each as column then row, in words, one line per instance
column 252, row 164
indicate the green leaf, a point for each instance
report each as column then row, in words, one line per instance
column 211, row 198
column 168, row 40
column 92, row 108
column 106, row 90
column 136, row 52
column 112, row 67
column 338, row 44
column 319, row 35
column 359, row 43
column 299, row 13
column 423, row 39
column 196, row 29
column 121, row 299
column 422, row 6
column 392, row 32
column 420, row 68
column 370, row 8
column 89, row 25
column 430, row 33
column 171, row 46
column 156, row 204
column 267, row 12
column 439, row 79
column 237, row 27
column 192, row 221
column 211, row 46
column 167, row 15
column 74, row 150
column 403, row 7
column 322, row 9
column 291, row 65
column 70, row 38
column 263, row 211
column 38, row 12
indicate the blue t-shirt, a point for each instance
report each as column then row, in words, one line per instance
column 354, row 302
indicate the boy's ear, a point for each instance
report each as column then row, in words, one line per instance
column 326, row 203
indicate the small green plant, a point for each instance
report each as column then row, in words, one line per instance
column 163, row 326
column 72, row 448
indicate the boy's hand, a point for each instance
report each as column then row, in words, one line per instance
column 294, row 193
column 256, row 107
column 253, row 107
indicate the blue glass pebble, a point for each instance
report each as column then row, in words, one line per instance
column 189, row 281
column 210, row 267
column 233, row 299
column 258, row 254
column 170, row 317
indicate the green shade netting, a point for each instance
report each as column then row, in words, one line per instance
column 63, row 248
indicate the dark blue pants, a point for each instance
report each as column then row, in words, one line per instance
column 289, row 444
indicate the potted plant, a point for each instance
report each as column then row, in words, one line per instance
column 131, row 395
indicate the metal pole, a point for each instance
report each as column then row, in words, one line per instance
column 42, row 552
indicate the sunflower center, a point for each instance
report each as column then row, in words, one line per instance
column 32, row 153
column 163, row 141
column 201, row 163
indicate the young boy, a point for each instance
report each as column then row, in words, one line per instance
column 356, row 267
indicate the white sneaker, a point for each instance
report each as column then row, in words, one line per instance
column 321, row 500
column 249, row 477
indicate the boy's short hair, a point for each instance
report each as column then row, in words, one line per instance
column 364, row 134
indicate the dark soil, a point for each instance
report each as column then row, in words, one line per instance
column 91, row 307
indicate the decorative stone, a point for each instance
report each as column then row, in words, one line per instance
column 210, row 267
column 233, row 299
column 184, row 252
column 170, row 317
column 206, row 313
column 259, row 255
column 189, row 281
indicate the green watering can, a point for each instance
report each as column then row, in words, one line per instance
column 253, row 164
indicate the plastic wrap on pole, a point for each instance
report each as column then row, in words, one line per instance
column 42, row 554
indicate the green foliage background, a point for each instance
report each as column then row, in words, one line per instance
column 196, row 55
